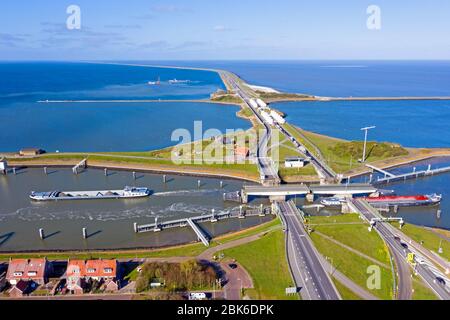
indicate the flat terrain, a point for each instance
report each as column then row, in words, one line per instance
column 266, row 263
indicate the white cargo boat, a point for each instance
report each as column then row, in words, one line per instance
column 126, row 193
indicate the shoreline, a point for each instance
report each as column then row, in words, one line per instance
column 99, row 165
column 398, row 162
column 136, row 250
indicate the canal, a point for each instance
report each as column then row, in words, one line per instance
column 109, row 223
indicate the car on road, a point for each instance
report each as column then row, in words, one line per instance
column 440, row 280
column 233, row 266
column 404, row 245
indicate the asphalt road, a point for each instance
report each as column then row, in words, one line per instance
column 400, row 253
column 304, row 262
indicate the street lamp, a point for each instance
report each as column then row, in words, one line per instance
column 366, row 130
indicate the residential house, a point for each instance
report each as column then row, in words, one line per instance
column 20, row 289
column 80, row 272
column 36, row 270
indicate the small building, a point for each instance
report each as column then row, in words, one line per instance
column 36, row 270
column 295, row 162
column 20, row 289
column 241, row 152
column 225, row 140
column 3, row 166
column 79, row 272
column 28, row 152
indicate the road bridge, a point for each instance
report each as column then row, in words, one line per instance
column 279, row 193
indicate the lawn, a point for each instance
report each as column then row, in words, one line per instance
column 421, row 291
column 359, row 238
column 354, row 266
column 342, row 155
column 431, row 240
column 265, row 260
column 189, row 250
column 346, row 293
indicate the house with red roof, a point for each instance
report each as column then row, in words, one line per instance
column 36, row 270
column 80, row 272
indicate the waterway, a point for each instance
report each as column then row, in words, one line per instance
column 420, row 124
column 99, row 127
column 109, row 222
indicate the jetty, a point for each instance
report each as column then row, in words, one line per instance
column 389, row 177
column 193, row 221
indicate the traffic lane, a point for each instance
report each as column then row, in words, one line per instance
column 312, row 264
column 298, row 270
column 319, row 276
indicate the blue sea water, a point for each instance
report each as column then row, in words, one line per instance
column 103, row 126
column 415, row 123
column 341, row 78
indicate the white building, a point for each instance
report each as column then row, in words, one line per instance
column 253, row 104
column 3, row 166
column 261, row 104
column 267, row 118
column 277, row 117
column 295, row 162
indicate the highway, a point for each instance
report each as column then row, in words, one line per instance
column 400, row 252
column 265, row 164
column 303, row 259
column 322, row 168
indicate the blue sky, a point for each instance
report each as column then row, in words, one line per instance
column 221, row 30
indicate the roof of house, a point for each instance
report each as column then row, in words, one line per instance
column 22, row 285
column 242, row 150
column 27, row 268
column 92, row 268
column 294, row 159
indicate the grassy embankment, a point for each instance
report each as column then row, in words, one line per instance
column 430, row 238
column 285, row 149
column 421, row 290
column 349, row 230
column 189, row 250
column 265, row 261
column 342, row 155
column 282, row 96
column 159, row 160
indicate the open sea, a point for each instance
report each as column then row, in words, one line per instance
column 103, row 127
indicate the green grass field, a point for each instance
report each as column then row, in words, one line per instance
column 265, row 260
column 354, row 266
column 189, row 250
column 355, row 236
column 346, row 293
column 421, row 291
column 431, row 240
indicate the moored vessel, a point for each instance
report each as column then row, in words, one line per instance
column 126, row 193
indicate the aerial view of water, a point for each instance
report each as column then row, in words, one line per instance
column 416, row 123
column 104, row 127
column 109, row 222
column 100, row 126
column 340, row 78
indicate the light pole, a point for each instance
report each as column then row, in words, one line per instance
column 366, row 130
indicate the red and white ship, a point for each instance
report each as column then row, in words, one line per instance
column 405, row 201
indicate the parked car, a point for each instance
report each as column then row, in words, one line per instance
column 233, row 266
column 197, row 296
